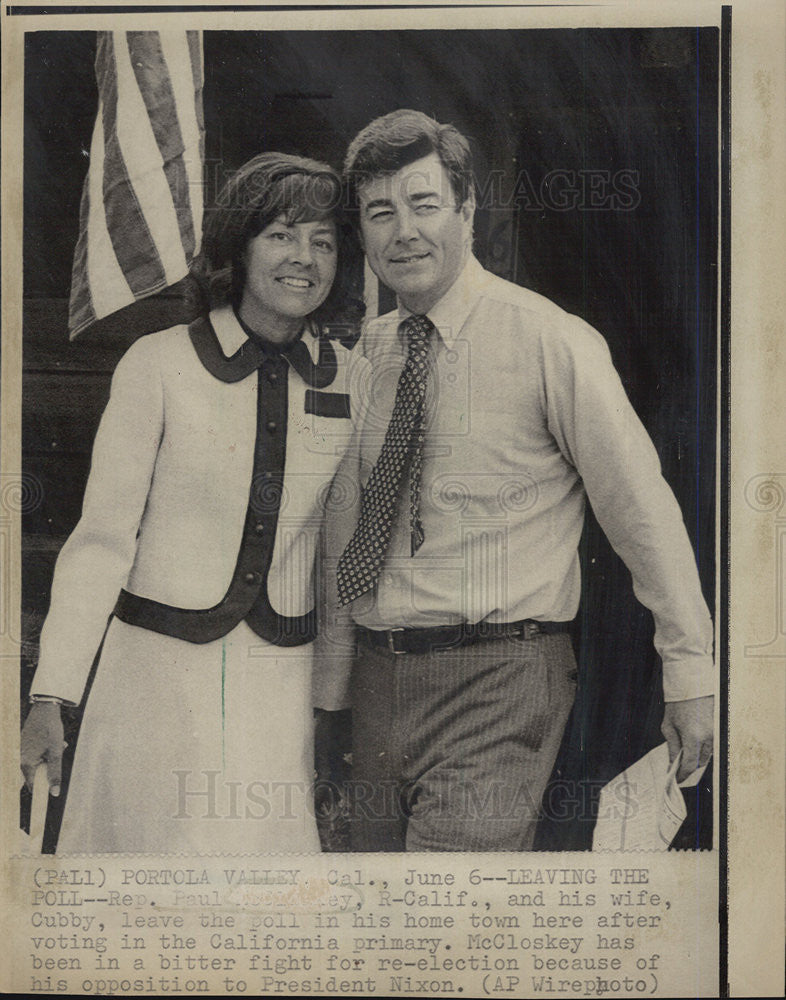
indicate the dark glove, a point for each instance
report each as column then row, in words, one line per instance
column 42, row 740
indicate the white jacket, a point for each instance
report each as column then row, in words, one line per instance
column 166, row 501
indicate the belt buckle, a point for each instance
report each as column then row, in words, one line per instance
column 392, row 642
column 527, row 630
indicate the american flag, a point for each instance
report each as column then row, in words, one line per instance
column 141, row 210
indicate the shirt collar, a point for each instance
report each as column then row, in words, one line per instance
column 450, row 313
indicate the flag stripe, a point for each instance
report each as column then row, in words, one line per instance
column 188, row 98
column 150, row 68
column 197, row 75
column 109, row 288
column 142, row 158
column 80, row 307
column 129, row 232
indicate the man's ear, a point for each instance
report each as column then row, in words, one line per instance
column 469, row 205
column 468, row 208
column 468, row 215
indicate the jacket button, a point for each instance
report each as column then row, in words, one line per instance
column 272, row 426
column 251, row 577
column 259, row 529
column 272, row 377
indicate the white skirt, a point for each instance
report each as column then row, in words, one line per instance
column 194, row 748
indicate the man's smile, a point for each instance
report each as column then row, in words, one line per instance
column 409, row 258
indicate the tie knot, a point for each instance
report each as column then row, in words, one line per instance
column 418, row 329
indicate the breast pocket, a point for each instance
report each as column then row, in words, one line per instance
column 324, row 425
column 328, row 404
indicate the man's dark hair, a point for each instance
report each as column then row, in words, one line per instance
column 397, row 139
column 268, row 186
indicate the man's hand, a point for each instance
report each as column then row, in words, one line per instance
column 42, row 740
column 687, row 726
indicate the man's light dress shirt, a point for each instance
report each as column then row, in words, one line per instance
column 526, row 417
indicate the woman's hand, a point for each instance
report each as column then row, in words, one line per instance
column 42, row 740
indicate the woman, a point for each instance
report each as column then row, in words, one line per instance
column 199, row 530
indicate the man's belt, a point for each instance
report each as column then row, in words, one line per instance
column 444, row 637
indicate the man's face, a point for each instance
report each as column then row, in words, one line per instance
column 415, row 236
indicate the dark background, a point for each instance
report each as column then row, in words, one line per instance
column 626, row 237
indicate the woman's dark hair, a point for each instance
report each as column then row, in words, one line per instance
column 397, row 139
column 268, row 186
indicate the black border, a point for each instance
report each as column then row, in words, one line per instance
column 724, row 567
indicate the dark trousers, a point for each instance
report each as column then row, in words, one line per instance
column 453, row 749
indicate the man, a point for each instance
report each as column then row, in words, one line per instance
column 490, row 416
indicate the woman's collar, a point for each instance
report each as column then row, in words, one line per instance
column 230, row 354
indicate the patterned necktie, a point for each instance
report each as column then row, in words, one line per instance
column 362, row 559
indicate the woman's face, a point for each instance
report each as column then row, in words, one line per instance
column 290, row 269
